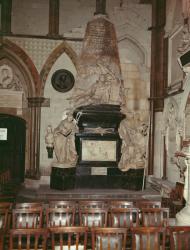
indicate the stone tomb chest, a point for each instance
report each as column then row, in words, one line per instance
column 98, row 146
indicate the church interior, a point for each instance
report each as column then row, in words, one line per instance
column 94, row 114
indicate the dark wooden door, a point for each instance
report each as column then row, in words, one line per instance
column 12, row 146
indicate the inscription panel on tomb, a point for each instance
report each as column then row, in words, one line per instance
column 93, row 150
column 98, row 171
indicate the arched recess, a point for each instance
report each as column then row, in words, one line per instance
column 135, row 46
column 135, row 72
column 24, row 62
column 14, row 55
column 57, row 52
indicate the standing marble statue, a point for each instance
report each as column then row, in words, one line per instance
column 64, row 140
column 49, row 140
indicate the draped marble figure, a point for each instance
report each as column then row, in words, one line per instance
column 64, row 140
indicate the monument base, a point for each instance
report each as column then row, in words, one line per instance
column 62, row 178
column 67, row 178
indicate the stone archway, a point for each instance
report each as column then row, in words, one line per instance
column 13, row 56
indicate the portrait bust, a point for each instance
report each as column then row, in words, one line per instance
column 63, row 80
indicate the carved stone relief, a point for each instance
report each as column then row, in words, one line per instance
column 105, row 90
column 172, row 129
column 12, row 86
column 9, row 79
column 184, row 44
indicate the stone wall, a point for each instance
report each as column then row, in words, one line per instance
column 171, row 123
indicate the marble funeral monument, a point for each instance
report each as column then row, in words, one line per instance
column 96, row 103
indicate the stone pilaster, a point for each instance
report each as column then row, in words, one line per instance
column 53, row 18
column 183, row 217
column 35, row 103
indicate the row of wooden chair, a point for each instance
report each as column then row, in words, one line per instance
column 37, row 217
column 77, row 238
column 84, row 204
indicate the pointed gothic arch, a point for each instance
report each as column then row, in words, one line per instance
column 57, row 52
column 18, row 56
column 31, row 111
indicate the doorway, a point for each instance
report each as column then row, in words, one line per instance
column 12, row 146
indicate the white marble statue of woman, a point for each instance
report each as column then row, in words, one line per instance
column 64, row 140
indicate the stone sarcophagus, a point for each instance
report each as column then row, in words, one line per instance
column 98, row 142
column 98, row 145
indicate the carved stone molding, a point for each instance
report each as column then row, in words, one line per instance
column 35, row 101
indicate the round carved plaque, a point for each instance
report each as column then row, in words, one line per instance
column 62, row 80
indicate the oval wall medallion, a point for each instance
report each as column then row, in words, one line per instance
column 62, row 80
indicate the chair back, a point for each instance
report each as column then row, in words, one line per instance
column 60, row 217
column 179, row 237
column 28, row 205
column 109, row 238
column 27, row 217
column 34, row 239
column 93, row 217
column 148, row 238
column 62, row 204
column 120, row 204
column 155, row 217
column 124, row 217
column 85, row 204
column 148, row 204
column 68, row 238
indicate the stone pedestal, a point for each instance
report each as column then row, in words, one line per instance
column 98, row 145
column 62, row 178
column 183, row 217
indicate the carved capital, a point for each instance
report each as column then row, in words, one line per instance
column 35, row 101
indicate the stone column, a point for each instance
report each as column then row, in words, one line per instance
column 183, row 217
column 35, row 103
